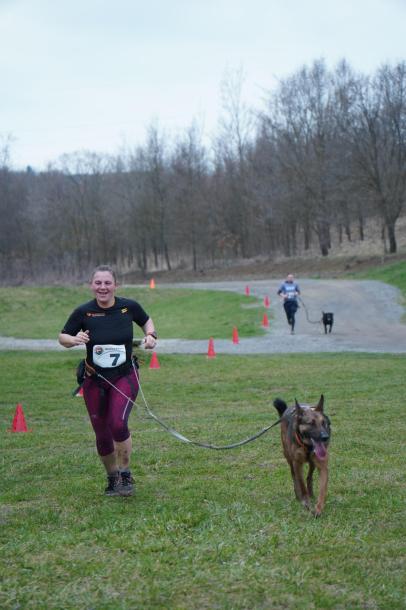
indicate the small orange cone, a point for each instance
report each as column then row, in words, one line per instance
column 247, row 291
column 152, row 283
column 80, row 392
column 210, row 352
column 235, row 335
column 19, row 424
column 266, row 301
column 154, row 364
column 265, row 321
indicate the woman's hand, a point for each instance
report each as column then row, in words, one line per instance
column 149, row 342
column 72, row 340
column 81, row 338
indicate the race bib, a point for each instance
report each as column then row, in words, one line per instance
column 109, row 356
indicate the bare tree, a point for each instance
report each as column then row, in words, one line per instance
column 233, row 147
column 156, row 183
column 76, row 193
column 189, row 192
column 300, row 122
column 378, row 137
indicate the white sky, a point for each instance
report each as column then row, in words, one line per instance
column 93, row 74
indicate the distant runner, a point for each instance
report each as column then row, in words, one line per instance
column 289, row 291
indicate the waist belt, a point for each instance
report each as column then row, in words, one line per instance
column 118, row 371
column 84, row 369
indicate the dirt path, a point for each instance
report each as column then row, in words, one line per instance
column 367, row 318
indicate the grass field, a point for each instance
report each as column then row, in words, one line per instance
column 394, row 274
column 206, row 529
column 39, row 313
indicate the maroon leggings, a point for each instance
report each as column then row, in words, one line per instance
column 109, row 413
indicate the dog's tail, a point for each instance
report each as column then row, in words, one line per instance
column 280, row 405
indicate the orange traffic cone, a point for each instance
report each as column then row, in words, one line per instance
column 154, row 364
column 235, row 335
column 80, row 392
column 19, row 424
column 210, row 352
column 266, row 301
column 265, row 321
column 152, row 283
column 247, row 291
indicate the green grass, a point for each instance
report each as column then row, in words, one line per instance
column 39, row 313
column 394, row 274
column 207, row 529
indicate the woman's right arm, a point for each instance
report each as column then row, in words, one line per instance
column 81, row 338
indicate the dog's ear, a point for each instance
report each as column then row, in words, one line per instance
column 298, row 408
column 320, row 405
column 280, row 405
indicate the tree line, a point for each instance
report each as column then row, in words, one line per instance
column 326, row 151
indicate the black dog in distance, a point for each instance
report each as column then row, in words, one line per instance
column 328, row 321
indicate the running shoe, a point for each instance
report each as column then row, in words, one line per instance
column 113, row 484
column 126, row 485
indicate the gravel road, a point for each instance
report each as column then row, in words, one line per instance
column 367, row 318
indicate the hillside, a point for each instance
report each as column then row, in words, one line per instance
column 344, row 259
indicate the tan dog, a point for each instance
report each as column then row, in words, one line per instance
column 305, row 434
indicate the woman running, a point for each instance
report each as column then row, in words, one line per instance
column 105, row 326
column 289, row 291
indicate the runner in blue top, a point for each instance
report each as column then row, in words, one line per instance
column 289, row 291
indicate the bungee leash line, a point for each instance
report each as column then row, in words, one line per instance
column 177, row 434
column 307, row 315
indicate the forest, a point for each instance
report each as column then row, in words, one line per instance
column 326, row 150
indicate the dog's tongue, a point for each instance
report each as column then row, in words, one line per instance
column 320, row 450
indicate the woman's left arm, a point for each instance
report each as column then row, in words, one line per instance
column 151, row 337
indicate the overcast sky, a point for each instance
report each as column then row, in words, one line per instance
column 93, row 74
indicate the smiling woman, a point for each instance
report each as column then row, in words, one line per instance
column 104, row 326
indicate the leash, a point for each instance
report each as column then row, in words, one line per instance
column 306, row 312
column 177, row 434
